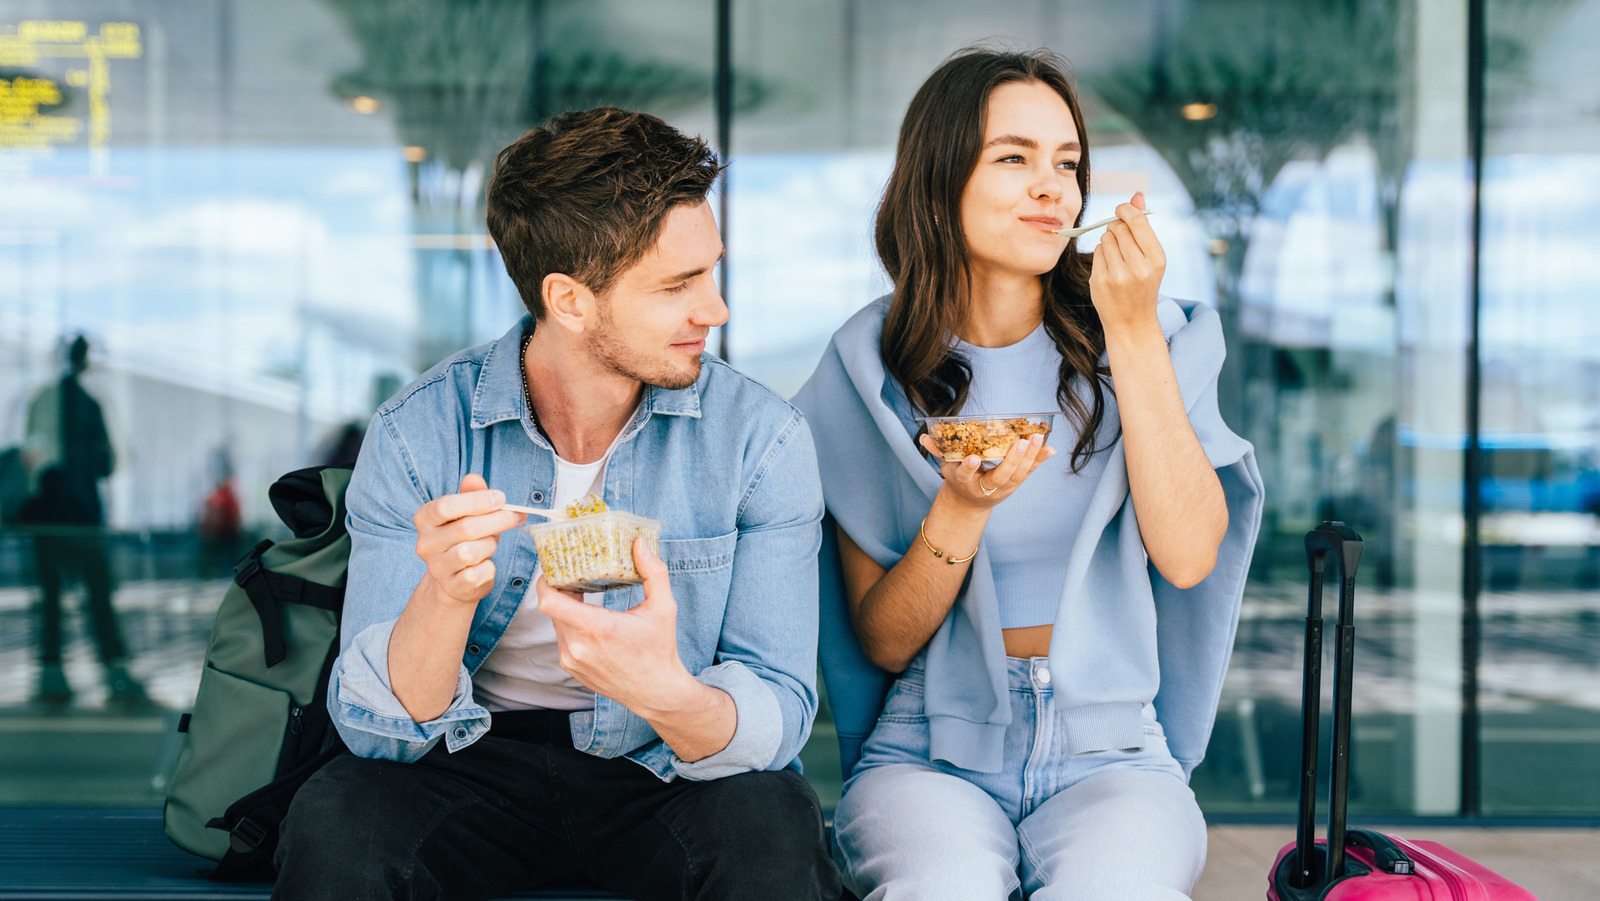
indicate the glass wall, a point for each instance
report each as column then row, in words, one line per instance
column 1540, row 411
column 264, row 219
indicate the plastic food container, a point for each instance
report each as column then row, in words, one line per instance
column 988, row 435
column 594, row 552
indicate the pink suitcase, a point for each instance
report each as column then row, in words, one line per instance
column 1371, row 866
column 1423, row 871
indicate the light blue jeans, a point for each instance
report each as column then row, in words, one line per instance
column 1118, row 825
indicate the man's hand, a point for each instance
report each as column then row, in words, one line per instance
column 457, row 535
column 631, row 656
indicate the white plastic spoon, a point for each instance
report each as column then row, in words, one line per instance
column 547, row 514
column 1074, row 232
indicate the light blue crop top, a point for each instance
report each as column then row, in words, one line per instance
column 1030, row 532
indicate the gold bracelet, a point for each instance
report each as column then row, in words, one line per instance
column 952, row 561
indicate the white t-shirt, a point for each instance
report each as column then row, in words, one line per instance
column 524, row 670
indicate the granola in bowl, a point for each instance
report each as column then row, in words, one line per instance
column 989, row 436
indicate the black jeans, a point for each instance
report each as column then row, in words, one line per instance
column 53, row 557
column 520, row 809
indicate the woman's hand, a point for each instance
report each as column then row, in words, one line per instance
column 1128, row 266
column 982, row 489
column 896, row 611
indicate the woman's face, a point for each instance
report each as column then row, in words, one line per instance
column 1025, row 185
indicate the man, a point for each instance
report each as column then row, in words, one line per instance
column 68, row 452
column 508, row 735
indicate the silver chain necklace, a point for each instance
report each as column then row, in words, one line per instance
column 522, row 367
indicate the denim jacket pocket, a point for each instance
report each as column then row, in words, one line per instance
column 701, row 571
column 693, row 555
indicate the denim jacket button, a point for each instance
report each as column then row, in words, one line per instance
column 538, row 497
column 473, row 649
column 461, row 732
column 517, row 582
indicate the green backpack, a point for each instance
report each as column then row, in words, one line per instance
column 260, row 725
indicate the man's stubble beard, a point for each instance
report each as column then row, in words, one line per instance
column 607, row 346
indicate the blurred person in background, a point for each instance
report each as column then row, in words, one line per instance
column 342, row 446
column 68, row 452
column 220, row 528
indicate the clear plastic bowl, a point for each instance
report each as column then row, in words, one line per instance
column 594, row 552
column 988, row 435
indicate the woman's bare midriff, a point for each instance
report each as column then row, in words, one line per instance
column 1030, row 641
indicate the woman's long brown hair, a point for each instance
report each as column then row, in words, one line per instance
column 920, row 242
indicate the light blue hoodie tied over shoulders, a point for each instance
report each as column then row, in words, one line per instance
column 1123, row 636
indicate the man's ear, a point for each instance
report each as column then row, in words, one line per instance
column 567, row 303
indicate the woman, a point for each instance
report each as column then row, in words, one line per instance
column 1031, row 610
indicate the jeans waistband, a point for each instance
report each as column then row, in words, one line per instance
column 539, row 727
column 1021, row 672
column 1032, row 673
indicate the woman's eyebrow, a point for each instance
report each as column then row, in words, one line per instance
column 1031, row 144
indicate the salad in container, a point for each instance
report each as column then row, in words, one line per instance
column 593, row 549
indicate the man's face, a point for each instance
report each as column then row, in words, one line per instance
column 654, row 322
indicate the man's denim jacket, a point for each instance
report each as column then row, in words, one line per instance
column 726, row 465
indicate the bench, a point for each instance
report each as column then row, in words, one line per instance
column 121, row 853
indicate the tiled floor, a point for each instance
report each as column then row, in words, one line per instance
column 1554, row 864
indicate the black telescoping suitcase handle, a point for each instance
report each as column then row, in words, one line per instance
column 1342, row 542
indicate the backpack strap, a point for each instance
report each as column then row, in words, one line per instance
column 268, row 590
column 253, row 821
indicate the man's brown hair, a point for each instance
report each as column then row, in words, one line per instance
column 586, row 193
